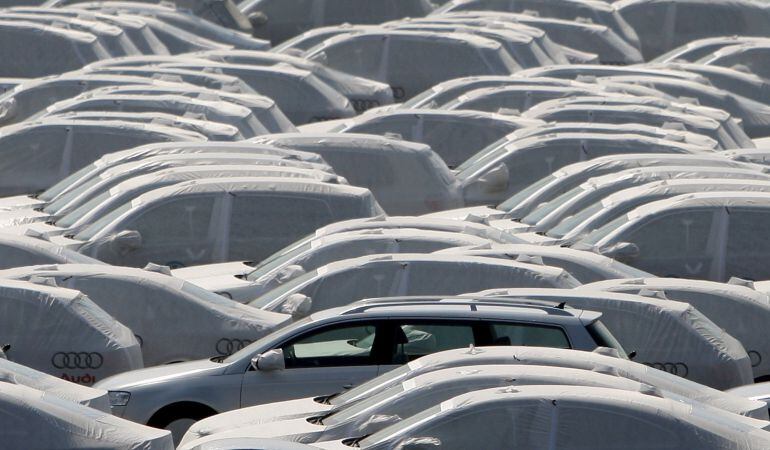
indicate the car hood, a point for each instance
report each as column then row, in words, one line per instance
column 535, row 238
column 213, row 270
column 220, row 283
column 297, row 430
column 19, row 201
column 484, row 212
column 510, row 226
column 30, row 229
column 21, row 216
column 161, row 374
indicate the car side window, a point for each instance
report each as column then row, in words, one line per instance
column 420, row 338
column 529, row 334
column 180, row 220
column 334, row 346
column 748, row 244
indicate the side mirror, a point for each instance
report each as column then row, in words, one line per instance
column 126, row 241
column 298, row 305
column 419, row 443
column 268, row 361
column 622, row 251
column 492, row 183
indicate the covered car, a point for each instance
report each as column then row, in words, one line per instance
column 186, row 224
column 245, row 281
column 711, row 236
column 405, row 177
column 509, row 418
column 648, row 326
column 412, row 61
column 383, row 275
column 150, row 302
column 13, row 373
column 454, row 135
column 35, row 155
column 500, row 171
column 738, row 307
column 586, row 267
column 35, row 419
column 65, row 334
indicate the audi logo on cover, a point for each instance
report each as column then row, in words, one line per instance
column 678, row 368
column 227, row 346
column 77, row 360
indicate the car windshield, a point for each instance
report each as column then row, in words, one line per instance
column 265, row 300
column 604, row 338
column 348, row 412
column 278, row 260
column 541, row 211
column 249, row 350
column 52, row 192
column 100, row 224
column 362, row 389
column 54, row 206
column 471, row 165
column 400, row 427
column 524, row 194
column 569, row 223
column 70, row 219
column 600, row 233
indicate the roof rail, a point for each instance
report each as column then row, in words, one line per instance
column 554, row 308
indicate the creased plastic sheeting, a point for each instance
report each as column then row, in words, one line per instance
column 454, row 135
column 237, row 235
column 741, row 311
column 399, row 402
column 39, row 50
column 151, row 304
column 387, row 275
column 586, row 267
column 18, row 251
column 736, row 81
column 566, row 417
column 649, row 326
column 278, row 20
column 319, row 252
column 412, row 61
column 38, row 154
column 13, row 373
column 663, row 25
column 64, row 333
column 530, row 159
column 34, row 419
column 406, row 177
column 543, row 356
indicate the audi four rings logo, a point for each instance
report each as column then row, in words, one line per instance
column 227, row 346
column 678, row 368
column 77, row 360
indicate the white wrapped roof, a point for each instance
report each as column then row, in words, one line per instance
column 648, row 326
column 35, row 419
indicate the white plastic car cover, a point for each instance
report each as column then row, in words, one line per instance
column 454, row 135
column 238, row 235
column 64, row 334
column 406, row 177
column 561, row 181
column 35, row 155
column 586, row 267
column 745, row 56
column 519, row 98
column 712, row 236
column 150, row 303
column 751, row 155
column 598, row 360
column 496, row 173
column 279, row 20
column 206, row 79
column 149, row 151
column 387, row 275
column 666, row 24
column 38, row 50
column 649, row 325
column 302, row 96
column 413, row 61
column 406, row 399
column 573, row 227
column 574, row 10
column 35, row 419
column 701, row 48
column 244, row 282
column 740, row 309
column 13, row 373
column 560, row 417
column 18, row 251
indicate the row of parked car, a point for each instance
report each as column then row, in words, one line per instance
column 384, row 224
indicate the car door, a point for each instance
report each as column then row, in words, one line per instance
column 748, row 244
column 318, row 362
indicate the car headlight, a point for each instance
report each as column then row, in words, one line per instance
column 118, row 398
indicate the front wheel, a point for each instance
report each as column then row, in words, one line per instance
column 178, row 418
